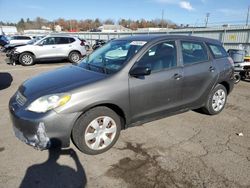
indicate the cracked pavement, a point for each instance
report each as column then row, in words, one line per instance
column 186, row 150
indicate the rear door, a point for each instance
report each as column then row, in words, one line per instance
column 199, row 72
column 62, row 45
column 160, row 91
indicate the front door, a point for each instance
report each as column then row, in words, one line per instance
column 161, row 90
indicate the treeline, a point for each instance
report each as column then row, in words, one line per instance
column 88, row 24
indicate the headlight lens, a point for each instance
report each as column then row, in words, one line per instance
column 48, row 102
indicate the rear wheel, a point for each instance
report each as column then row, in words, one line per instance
column 216, row 100
column 26, row 59
column 96, row 131
column 74, row 57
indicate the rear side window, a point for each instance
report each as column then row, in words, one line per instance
column 193, row 52
column 22, row 38
column 71, row 40
column 62, row 40
column 217, row 51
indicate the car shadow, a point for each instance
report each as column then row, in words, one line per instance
column 51, row 174
column 5, row 80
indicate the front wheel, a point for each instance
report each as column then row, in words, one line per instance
column 74, row 57
column 26, row 59
column 96, row 131
column 216, row 100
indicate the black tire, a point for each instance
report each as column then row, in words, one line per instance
column 208, row 108
column 87, row 47
column 237, row 78
column 74, row 57
column 26, row 59
column 83, row 124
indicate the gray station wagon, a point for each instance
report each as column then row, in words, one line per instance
column 128, row 81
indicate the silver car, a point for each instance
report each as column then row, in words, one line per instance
column 50, row 47
column 126, row 82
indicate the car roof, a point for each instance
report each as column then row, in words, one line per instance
column 153, row 37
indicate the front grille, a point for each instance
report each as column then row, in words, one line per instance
column 20, row 99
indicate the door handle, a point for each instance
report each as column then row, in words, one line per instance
column 70, row 45
column 177, row 76
column 53, row 47
column 211, row 69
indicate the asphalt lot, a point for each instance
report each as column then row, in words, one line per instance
column 186, row 150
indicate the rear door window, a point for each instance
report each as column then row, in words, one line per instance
column 193, row 52
column 217, row 51
column 61, row 40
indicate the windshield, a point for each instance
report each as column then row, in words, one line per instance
column 111, row 57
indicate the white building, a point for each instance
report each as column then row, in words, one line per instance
column 113, row 28
column 8, row 30
column 58, row 28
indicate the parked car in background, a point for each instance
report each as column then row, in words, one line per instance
column 50, row 47
column 3, row 40
column 98, row 44
column 86, row 44
column 19, row 39
column 9, row 47
column 127, row 82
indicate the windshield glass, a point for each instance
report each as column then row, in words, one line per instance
column 111, row 57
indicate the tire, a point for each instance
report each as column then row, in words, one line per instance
column 216, row 101
column 87, row 47
column 26, row 59
column 237, row 78
column 91, row 136
column 74, row 57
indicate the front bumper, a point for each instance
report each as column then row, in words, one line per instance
column 40, row 130
column 14, row 56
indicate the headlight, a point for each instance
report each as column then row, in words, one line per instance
column 48, row 102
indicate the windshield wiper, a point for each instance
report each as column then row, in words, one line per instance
column 96, row 66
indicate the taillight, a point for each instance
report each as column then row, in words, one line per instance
column 82, row 43
column 231, row 61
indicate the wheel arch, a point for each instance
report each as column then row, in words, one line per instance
column 74, row 51
column 226, row 85
column 29, row 53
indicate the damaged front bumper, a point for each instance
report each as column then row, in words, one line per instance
column 40, row 130
column 39, row 140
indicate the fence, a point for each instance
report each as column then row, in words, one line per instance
column 231, row 37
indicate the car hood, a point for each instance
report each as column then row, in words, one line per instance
column 60, row 80
column 23, row 47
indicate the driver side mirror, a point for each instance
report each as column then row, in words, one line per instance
column 140, row 71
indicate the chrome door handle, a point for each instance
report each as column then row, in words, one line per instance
column 211, row 69
column 177, row 76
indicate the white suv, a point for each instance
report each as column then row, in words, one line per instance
column 50, row 47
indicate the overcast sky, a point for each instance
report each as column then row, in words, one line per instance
column 179, row 11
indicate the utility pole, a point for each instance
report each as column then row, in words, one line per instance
column 162, row 17
column 206, row 19
column 248, row 11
